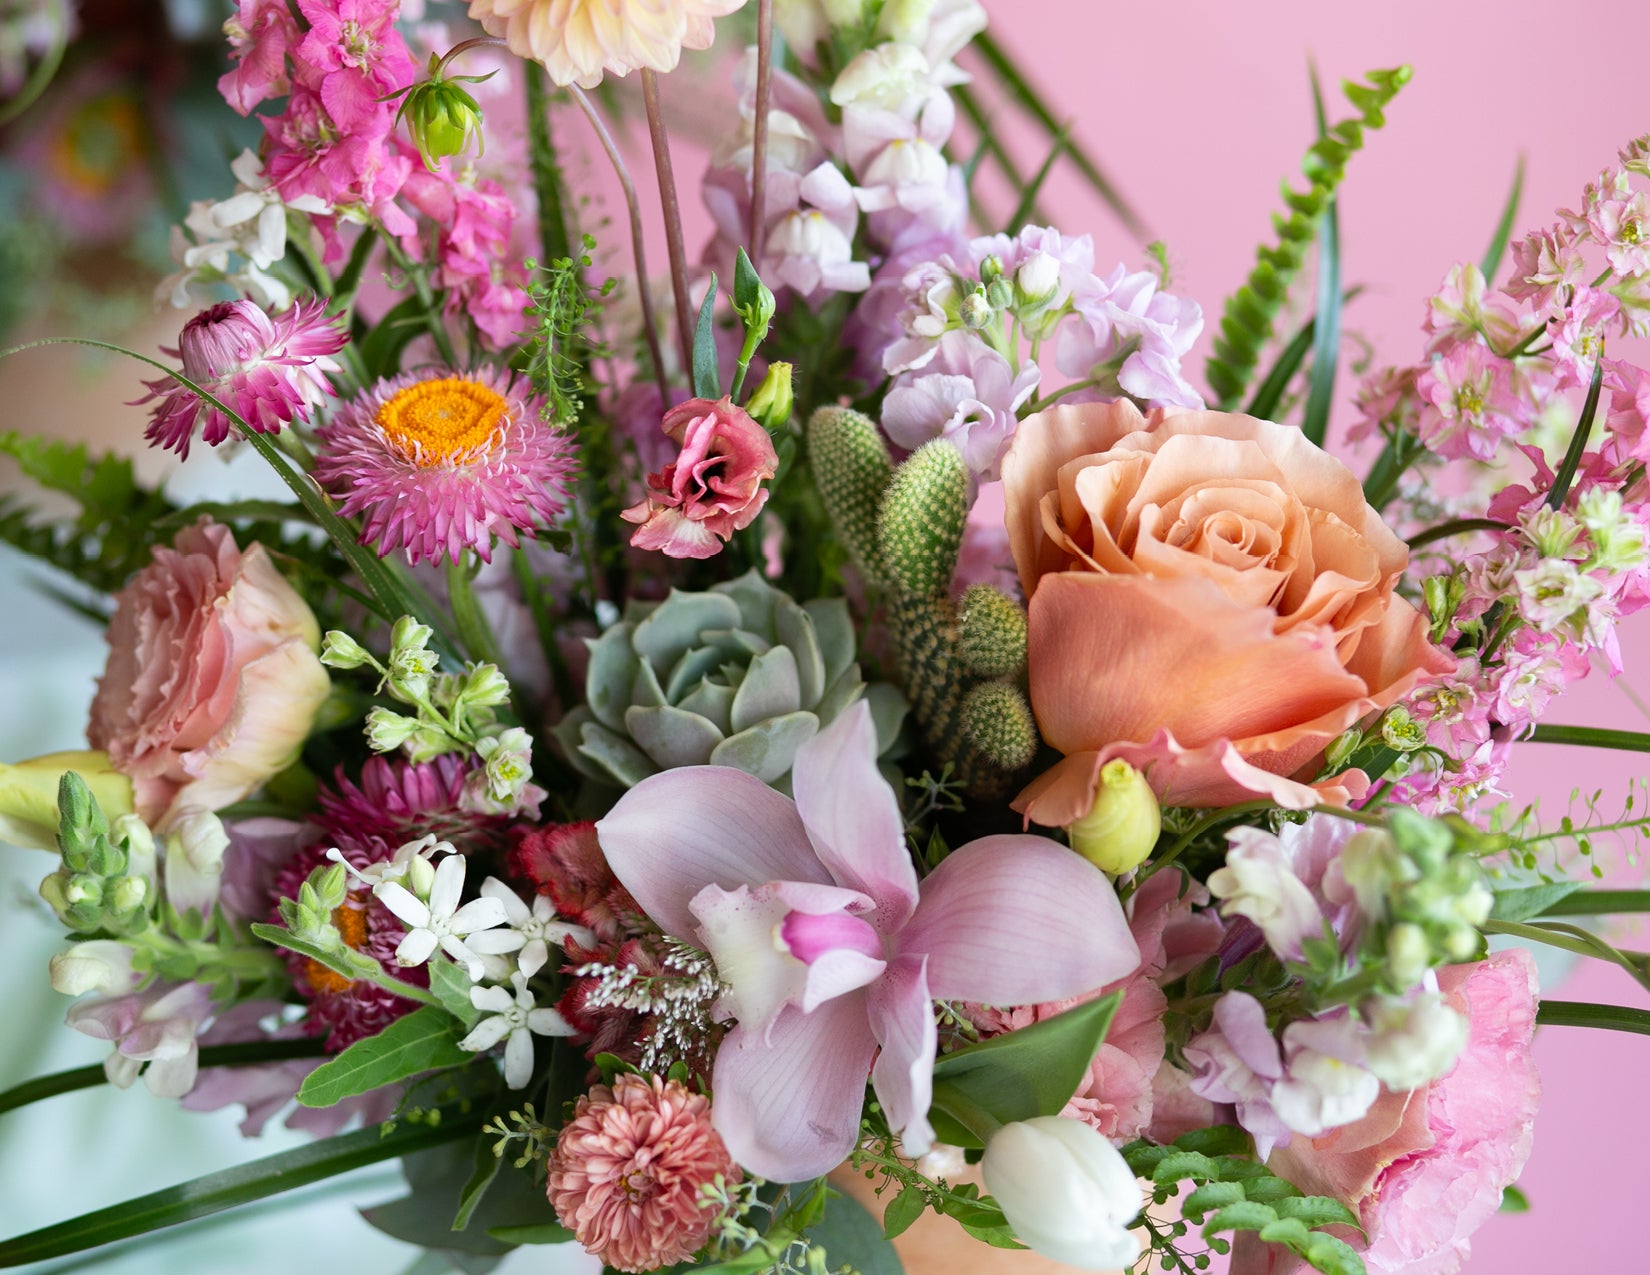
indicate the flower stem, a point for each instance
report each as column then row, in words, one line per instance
column 759, row 130
column 672, row 207
column 554, row 240
column 1456, row 527
column 415, row 271
column 650, row 322
column 468, row 617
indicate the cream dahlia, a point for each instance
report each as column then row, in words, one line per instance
column 579, row 40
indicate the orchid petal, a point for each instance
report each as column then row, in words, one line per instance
column 837, row 973
column 902, row 1018
column 789, row 1110
column 1018, row 920
column 676, row 832
column 852, row 816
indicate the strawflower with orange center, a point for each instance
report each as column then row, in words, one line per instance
column 435, row 464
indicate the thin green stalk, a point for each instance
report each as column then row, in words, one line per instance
column 1600, row 903
column 1202, row 826
column 1585, row 1014
column 426, row 299
column 1326, row 338
column 1503, row 228
column 1630, row 741
column 1578, row 441
column 1455, row 527
column 474, row 632
column 670, row 203
column 554, row 239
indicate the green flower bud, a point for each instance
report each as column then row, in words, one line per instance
column 128, row 896
column 1000, row 294
column 420, row 878
column 991, row 269
column 388, row 730
column 1408, row 954
column 29, row 811
column 1341, row 748
column 442, row 118
column 1121, row 828
column 976, row 310
column 1401, row 732
column 483, row 686
column 340, row 650
column 771, row 402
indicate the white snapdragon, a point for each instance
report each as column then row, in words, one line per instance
column 1325, row 1083
column 1065, row 1190
column 440, row 922
column 97, row 965
column 1259, row 882
column 1412, row 1043
column 195, row 847
column 527, row 932
column 514, row 1020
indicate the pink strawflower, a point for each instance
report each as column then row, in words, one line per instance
column 259, row 32
column 439, row 464
column 269, row 369
column 627, row 1170
column 832, row 952
column 400, row 801
column 714, row 486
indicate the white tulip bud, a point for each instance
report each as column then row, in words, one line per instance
column 1065, row 1190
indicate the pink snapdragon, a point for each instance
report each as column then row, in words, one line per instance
column 270, row 370
column 831, row 949
column 157, row 1027
column 354, row 58
column 966, row 392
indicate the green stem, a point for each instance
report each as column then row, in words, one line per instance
column 1586, row 1014
column 1630, row 741
column 554, row 238
column 1456, row 527
column 426, row 298
column 474, row 632
column 1202, row 826
column 246, row 1054
column 1578, row 441
column 1600, row 903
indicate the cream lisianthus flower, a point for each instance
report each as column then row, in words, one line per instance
column 578, row 41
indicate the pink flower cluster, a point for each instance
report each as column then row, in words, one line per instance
column 339, row 65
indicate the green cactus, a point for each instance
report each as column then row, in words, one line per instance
column 997, row 721
column 852, row 469
column 992, row 636
column 739, row 676
column 920, row 526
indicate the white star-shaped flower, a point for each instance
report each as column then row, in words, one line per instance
column 516, row 1017
column 440, row 922
column 530, row 932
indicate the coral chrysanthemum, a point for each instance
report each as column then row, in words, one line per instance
column 579, row 40
column 435, row 464
column 627, row 1170
column 269, row 369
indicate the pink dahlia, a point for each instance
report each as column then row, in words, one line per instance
column 398, row 801
column 271, row 370
column 342, row 1010
column 436, row 464
column 626, row 1172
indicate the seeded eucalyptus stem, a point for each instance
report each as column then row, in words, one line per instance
column 672, row 207
column 759, row 131
column 644, row 293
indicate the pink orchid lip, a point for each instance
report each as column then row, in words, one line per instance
column 810, row 937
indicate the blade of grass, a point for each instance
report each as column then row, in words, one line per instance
column 1326, row 336
column 1028, row 197
column 1503, row 228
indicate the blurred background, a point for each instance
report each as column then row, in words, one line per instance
column 1196, row 111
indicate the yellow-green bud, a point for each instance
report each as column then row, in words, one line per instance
column 443, row 119
column 770, row 403
column 28, row 795
column 1121, row 828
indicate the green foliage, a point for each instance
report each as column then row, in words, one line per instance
column 1247, row 323
column 920, row 524
column 562, row 316
column 420, row 1041
column 1232, row 1192
column 109, row 538
column 1017, row 1076
column 707, row 376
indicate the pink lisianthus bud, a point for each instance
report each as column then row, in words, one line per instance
column 270, row 370
column 714, row 486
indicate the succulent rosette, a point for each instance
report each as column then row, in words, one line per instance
column 740, row 675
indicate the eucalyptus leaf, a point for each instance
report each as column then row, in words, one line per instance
column 420, row 1041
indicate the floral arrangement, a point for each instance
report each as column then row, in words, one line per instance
column 863, row 711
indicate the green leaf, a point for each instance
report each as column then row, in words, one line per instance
column 1585, row 1014
column 487, row 1166
column 1630, row 741
column 381, row 348
column 342, row 964
column 1578, row 441
column 1270, row 1190
column 242, row 1184
column 451, row 986
column 1209, row 1197
column 903, row 1210
column 747, row 284
column 1247, row 1215
column 707, row 376
column 1019, row 1075
column 1331, row 1256
column 1514, row 1201
column 1286, row 1230
column 1601, row 903
column 1524, row 902
column 1217, row 1140
column 420, row 1041
column 1185, row 1164
column 1504, row 227
column 851, row 1237
column 1316, row 1210
column 1326, row 339
column 538, row 1233
column 1028, row 196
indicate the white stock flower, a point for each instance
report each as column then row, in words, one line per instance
column 530, row 932
column 1325, row 1084
column 1065, row 1190
column 1412, row 1043
column 1259, row 883
column 441, row 922
column 515, row 1017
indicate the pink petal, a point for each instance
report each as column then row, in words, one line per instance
column 789, row 1110
column 902, row 1017
column 1018, row 920
column 677, row 832
column 852, row 816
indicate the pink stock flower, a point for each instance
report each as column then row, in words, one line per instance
column 270, row 370
column 259, row 32
column 1545, row 261
column 354, row 58
column 627, row 1171
column 1423, row 1170
column 714, row 486
column 435, row 465
column 965, row 392
column 830, row 948
column 1622, row 225
column 1468, row 403
column 580, row 40
column 212, row 681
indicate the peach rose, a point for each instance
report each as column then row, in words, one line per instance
column 1211, row 599
column 213, row 681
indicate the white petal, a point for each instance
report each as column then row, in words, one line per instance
column 477, row 914
column 487, row 1033
column 448, row 887
column 402, row 901
column 532, row 958
column 492, row 942
column 454, row 947
column 518, row 1059
column 514, row 909
column 415, row 949
column 495, row 1000
column 549, row 1022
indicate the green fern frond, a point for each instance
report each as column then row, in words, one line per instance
column 1247, row 322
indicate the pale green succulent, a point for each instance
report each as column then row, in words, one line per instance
column 739, row 676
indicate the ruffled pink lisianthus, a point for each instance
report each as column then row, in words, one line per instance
column 213, row 681
column 627, row 1170
column 270, row 370
column 714, row 486
column 435, row 465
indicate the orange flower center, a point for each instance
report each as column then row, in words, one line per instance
column 434, row 422
column 352, row 928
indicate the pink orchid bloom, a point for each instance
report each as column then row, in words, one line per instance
column 830, row 948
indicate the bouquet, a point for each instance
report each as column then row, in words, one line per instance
column 865, row 713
